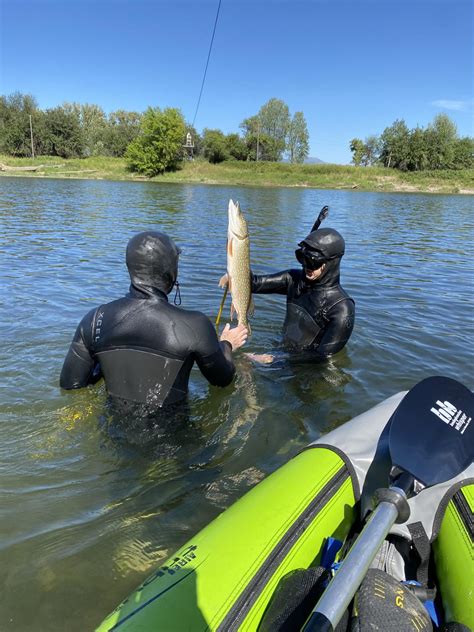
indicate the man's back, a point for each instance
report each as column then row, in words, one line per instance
column 143, row 346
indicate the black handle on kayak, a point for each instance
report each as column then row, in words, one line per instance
column 431, row 440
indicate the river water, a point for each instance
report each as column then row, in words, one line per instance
column 84, row 518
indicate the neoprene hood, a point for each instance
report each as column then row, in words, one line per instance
column 152, row 261
column 325, row 241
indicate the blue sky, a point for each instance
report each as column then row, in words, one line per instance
column 352, row 67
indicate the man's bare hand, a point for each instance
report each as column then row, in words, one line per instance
column 237, row 336
column 261, row 358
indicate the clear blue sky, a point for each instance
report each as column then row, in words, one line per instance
column 352, row 67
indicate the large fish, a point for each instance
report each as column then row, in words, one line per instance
column 238, row 265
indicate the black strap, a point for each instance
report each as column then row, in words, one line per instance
column 422, row 546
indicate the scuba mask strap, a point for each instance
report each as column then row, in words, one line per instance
column 177, row 296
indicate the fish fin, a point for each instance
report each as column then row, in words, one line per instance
column 251, row 309
column 229, row 247
column 223, row 283
column 232, row 311
column 249, row 329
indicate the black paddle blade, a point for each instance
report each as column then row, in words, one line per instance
column 431, row 432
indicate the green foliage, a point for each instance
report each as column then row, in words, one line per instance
column 267, row 131
column 442, row 136
column 214, row 145
column 274, row 119
column 357, row 148
column 15, row 111
column 236, row 147
column 92, row 122
column 122, row 128
column 435, row 147
column 464, row 153
column 159, row 145
column 62, row 134
column 297, row 144
column 394, row 145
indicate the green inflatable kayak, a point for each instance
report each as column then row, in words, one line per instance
column 224, row 578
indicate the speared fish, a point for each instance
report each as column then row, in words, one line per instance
column 238, row 266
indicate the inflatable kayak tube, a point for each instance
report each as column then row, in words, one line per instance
column 224, row 577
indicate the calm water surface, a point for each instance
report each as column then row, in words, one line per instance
column 84, row 518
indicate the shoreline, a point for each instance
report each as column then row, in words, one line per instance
column 282, row 175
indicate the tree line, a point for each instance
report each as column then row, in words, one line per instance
column 152, row 141
column 437, row 146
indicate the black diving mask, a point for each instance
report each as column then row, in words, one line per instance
column 309, row 259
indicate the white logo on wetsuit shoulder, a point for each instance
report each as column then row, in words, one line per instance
column 452, row 416
column 98, row 325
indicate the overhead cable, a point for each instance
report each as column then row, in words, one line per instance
column 207, row 62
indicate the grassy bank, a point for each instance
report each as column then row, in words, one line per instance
column 254, row 174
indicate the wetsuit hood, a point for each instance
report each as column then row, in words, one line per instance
column 326, row 241
column 328, row 246
column 152, row 261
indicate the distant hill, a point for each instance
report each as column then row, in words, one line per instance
column 314, row 161
column 309, row 161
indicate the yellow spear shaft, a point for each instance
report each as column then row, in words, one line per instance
column 219, row 314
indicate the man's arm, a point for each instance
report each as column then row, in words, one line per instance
column 79, row 368
column 276, row 283
column 214, row 357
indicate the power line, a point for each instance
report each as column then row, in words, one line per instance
column 207, row 62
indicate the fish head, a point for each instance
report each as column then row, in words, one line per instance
column 237, row 222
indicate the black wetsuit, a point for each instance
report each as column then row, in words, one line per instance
column 145, row 349
column 319, row 315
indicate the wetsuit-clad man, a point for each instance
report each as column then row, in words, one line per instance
column 143, row 346
column 319, row 312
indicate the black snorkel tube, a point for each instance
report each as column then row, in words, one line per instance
column 313, row 260
column 323, row 213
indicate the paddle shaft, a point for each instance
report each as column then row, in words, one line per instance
column 342, row 588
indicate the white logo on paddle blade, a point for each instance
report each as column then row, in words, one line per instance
column 452, row 416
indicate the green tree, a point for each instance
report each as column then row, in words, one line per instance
column 93, row 124
column 464, row 153
column 214, row 145
column 236, row 147
column 417, row 155
column 371, row 150
column 298, row 139
column 394, row 145
column 158, row 147
column 274, row 120
column 121, row 129
column 357, row 148
column 267, row 130
column 15, row 111
column 63, row 134
column 442, row 136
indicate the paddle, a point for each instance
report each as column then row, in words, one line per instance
column 431, row 440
